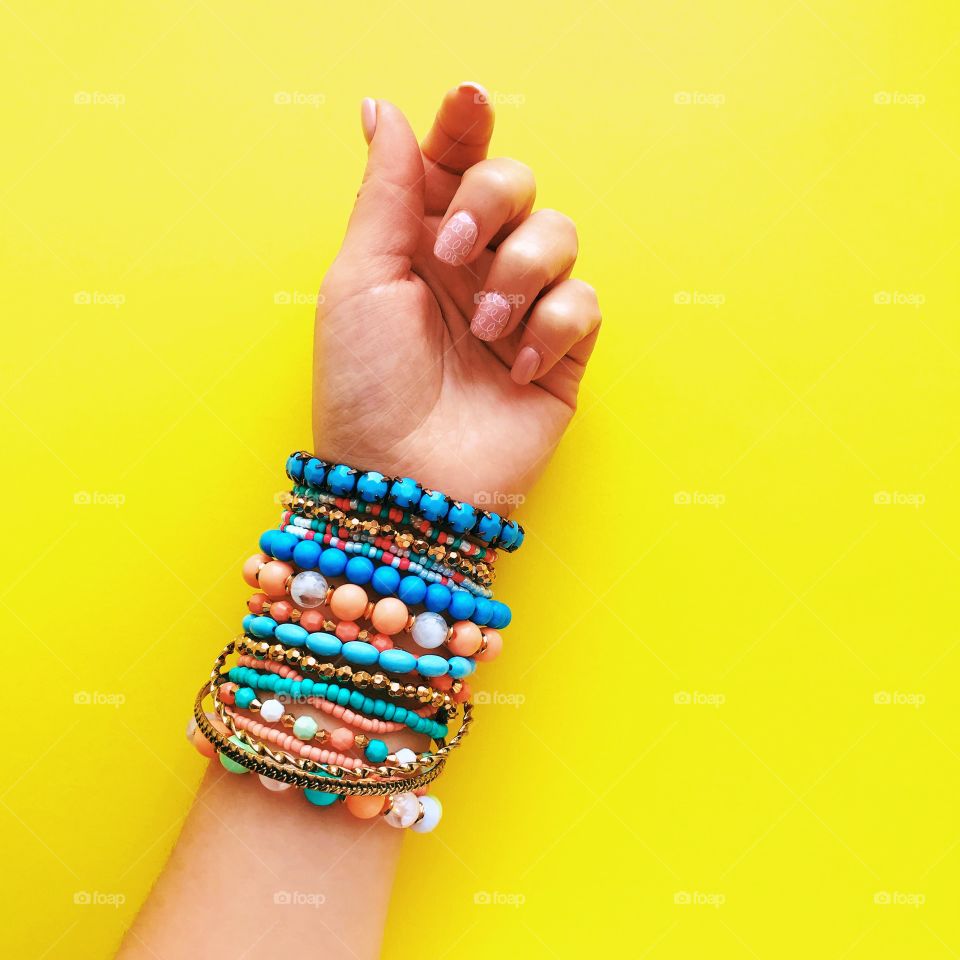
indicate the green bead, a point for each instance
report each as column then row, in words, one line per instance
column 305, row 728
column 231, row 764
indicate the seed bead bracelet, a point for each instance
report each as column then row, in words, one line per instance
column 249, row 681
column 436, row 695
column 277, row 579
column 344, row 714
column 425, row 569
column 373, row 487
column 407, row 530
column 314, row 505
column 434, row 557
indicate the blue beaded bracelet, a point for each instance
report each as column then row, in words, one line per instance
column 405, row 493
column 250, row 680
column 386, row 580
column 392, row 660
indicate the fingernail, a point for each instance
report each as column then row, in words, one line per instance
column 491, row 316
column 368, row 118
column 525, row 366
column 479, row 92
column 456, row 239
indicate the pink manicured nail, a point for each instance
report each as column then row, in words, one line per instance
column 368, row 118
column 456, row 239
column 479, row 92
column 525, row 366
column 491, row 316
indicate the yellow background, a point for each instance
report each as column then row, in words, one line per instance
column 702, row 714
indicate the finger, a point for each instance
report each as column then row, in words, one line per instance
column 459, row 138
column 562, row 324
column 540, row 252
column 493, row 198
column 388, row 215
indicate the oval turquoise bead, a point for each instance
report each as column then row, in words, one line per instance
column 290, row 633
column 356, row 700
column 397, row 661
column 356, row 651
column 324, row 644
column 431, row 665
column 320, row 798
column 460, row 667
column 263, row 627
column 343, row 697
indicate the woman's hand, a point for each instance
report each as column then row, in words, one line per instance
column 450, row 339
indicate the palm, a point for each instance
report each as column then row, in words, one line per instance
column 401, row 384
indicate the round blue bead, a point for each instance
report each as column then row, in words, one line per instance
column 460, row 667
column 314, row 471
column 406, row 493
column 378, row 707
column 385, row 580
column 320, row 798
column 247, row 620
column 431, row 665
column 263, row 626
column 265, row 539
column 461, row 517
column 509, row 534
column 489, row 526
column 356, row 700
column 343, row 697
column 376, row 751
column 359, row 570
column 372, row 487
column 433, row 505
column 412, row 590
column 341, row 479
column 438, row 597
column 244, row 697
column 461, row 605
column 306, row 554
column 501, row 616
column 356, row 651
column 324, row 644
column 397, row 661
column 282, row 544
column 332, row 562
column 482, row 611
column 400, row 714
column 388, row 711
column 295, row 467
column 290, row 633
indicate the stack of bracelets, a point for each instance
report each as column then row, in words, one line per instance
column 361, row 568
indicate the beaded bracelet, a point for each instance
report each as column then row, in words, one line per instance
column 313, row 504
column 385, row 580
column 249, row 681
column 404, row 543
column 374, row 487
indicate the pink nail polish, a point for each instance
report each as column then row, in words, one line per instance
column 456, row 239
column 525, row 366
column 368, row 118
column 491, row 316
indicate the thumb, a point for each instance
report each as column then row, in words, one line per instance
column 385, row 225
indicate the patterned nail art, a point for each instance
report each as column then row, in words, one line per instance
column 491, row 316
column 456, row 239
